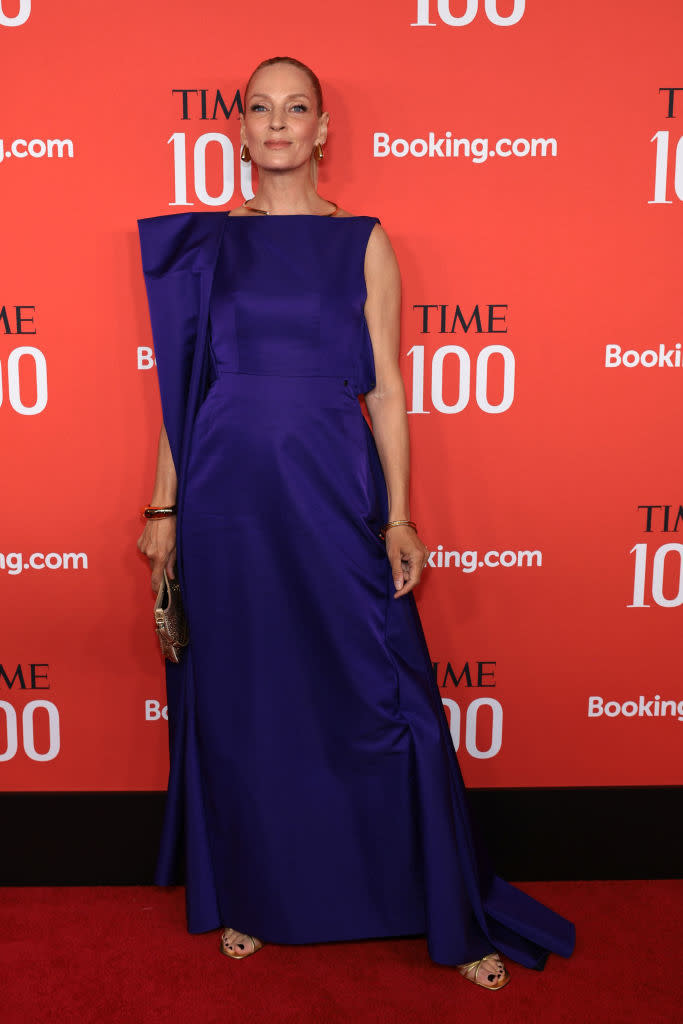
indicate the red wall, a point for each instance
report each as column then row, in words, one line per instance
column 550, row 258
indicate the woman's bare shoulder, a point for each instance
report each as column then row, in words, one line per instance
column 379, row 243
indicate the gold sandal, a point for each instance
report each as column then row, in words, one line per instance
column 475, row 965
column 239, row 956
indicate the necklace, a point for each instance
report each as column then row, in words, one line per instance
column 255, row 209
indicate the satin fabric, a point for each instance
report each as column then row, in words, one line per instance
column 314, row 791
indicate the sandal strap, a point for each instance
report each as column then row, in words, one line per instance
column 246, row 934
column 476, row 964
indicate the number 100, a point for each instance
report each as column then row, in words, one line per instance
column 226, row 154
column 658, row 565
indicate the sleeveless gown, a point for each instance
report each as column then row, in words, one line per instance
column 314, row 787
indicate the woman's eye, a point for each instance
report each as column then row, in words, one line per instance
column 300, row 107
column 257, row 106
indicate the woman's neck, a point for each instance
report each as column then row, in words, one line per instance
column 287, row 192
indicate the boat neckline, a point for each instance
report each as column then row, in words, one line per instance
column 317, row 216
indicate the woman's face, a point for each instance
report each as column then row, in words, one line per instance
column 281, row 123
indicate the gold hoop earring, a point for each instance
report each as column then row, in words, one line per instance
column 318, row 150
column 245, row 154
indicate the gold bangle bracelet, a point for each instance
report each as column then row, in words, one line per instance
column 396, row 522
column 159, row 511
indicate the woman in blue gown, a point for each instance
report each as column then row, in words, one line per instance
column 314, row 791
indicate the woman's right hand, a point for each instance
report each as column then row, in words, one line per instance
column 158, row 542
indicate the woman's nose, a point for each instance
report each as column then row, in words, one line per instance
column 277, row 120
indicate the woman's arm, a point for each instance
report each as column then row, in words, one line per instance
column 386, row 405
column 158, row 539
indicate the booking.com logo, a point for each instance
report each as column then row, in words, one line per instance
column 13, row 562
column 37, row 148
column 477, row 150
column 469, row 561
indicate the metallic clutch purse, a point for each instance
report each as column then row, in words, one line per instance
column 170, row 620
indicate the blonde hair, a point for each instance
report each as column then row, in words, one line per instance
column 315, row 81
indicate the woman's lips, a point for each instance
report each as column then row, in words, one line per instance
column 277, row 145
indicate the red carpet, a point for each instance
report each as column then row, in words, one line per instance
column 105, row 955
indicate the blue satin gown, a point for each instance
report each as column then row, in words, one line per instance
column 314, row 785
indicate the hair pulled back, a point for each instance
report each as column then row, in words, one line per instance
column 315, row 81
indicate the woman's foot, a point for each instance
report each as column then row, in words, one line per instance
column 488, row 972
column 238, row 944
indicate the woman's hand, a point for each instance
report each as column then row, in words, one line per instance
column 407, row 556
column 157, row 541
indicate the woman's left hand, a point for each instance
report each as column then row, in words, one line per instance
column 407, row 555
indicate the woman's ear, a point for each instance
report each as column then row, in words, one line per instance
column 324, row 122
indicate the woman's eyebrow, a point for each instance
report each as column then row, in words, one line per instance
column 291, row 96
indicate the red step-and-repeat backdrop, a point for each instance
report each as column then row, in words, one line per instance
column 526, row 159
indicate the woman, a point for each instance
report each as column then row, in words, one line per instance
column 313, row 781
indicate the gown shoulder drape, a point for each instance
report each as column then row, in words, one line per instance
column 314, row 791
